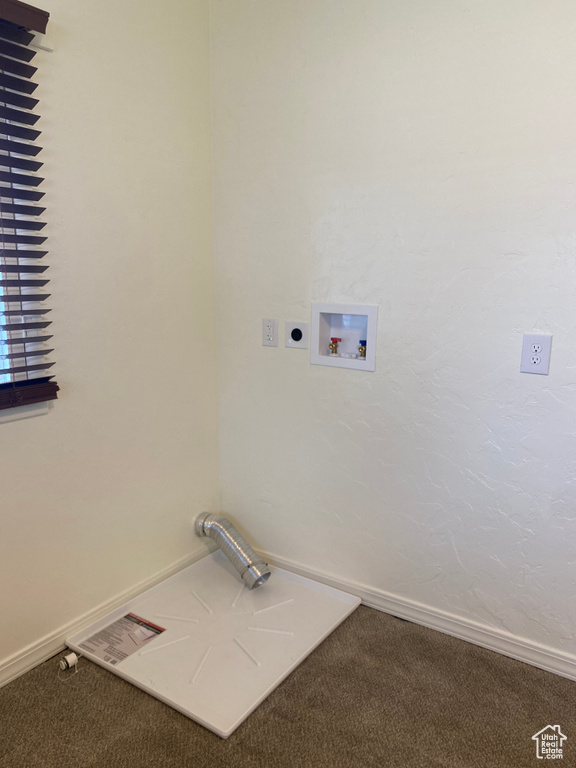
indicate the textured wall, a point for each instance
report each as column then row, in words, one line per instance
column 419, row 156
column 97, row 495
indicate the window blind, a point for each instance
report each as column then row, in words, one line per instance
column 25, row 375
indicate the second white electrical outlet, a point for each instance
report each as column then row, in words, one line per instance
column 536, row 353
column 269, row 332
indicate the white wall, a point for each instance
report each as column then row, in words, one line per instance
column 127, row 455
column 419, row 156
column 413, row 155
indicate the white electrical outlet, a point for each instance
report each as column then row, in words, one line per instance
column 269, row 332
column 536, row 353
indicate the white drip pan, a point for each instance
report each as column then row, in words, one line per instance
column 209, row 647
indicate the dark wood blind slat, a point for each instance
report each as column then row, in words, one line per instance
column 20, row 131
column 12, row 342
column 16, row 51
column 17, row 67
column 20, row 178
column 18, row 100
column 19, row 147
column 24, row 312
column 24, row 239
column 17, row 253
column 10, row 298
column 25, row 210
column 20, row 162
column 28, row 353
column 15, row 33
column 23, row 327
column 20, row 223
column 23, row 268
column 28, row 118
column 31, row 339
column 17, row 283
column 22, row 85
column 25, row 368
column 21, row 194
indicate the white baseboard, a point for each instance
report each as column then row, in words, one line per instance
column 550, row 659
column 51, row 644
column 521, row 649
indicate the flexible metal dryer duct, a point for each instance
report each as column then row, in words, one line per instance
column 253, row 570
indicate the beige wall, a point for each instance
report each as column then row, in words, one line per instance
column 415, row 155
column 97, row 495
column 419, row 156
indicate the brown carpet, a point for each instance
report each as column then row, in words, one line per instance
column 378, row 692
